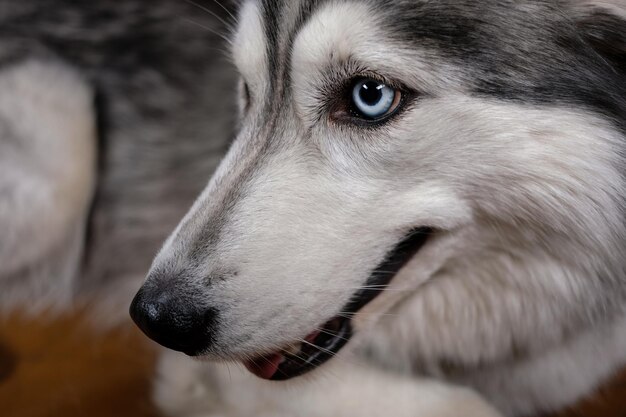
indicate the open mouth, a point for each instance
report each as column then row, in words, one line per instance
column 321, row 345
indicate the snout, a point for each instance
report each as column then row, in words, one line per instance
column 172, row 320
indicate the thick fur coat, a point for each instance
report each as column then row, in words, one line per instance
column 507, row 149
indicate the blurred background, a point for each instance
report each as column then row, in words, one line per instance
column 113, row 116
column 139, row 94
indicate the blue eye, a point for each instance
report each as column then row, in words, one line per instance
column 373, row 99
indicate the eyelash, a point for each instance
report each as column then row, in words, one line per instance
column 343, row 109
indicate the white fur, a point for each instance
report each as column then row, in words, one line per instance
column 47, row 164
column 349, row 32
column 617, row 7
column 505, row 298
column 249, row 48
column 347, row 389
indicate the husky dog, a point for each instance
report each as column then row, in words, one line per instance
column 417, row 188
column 110, row 125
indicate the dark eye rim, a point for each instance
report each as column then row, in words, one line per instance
column 343, row 109
column 246, row 95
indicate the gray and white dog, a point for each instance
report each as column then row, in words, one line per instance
column 419, row 188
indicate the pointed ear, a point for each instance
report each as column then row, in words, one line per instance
column 603, row 25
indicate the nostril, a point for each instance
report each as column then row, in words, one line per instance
column 173, row 322
column 147, row 313
column 142, row 311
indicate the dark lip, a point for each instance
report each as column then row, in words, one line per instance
column 395, row 260
column 313, row 355
column 338, row 331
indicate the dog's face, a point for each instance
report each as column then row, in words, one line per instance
column 382, row 145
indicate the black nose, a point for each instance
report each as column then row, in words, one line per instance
column 173, row 321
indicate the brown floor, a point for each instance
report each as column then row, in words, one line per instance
column 66, row 369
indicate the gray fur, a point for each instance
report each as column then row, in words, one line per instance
column 511, row 148
column 527, row 263
column 163, row 97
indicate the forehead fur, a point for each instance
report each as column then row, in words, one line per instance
column 352, row 34
column 249, row 43
column 522, row 51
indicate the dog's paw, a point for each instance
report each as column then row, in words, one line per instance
column 192, row 389
column 366, row 392
column 185, row 388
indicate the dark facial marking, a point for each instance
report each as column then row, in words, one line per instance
column 529, row 52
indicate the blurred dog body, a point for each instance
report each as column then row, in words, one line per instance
column 47, row 178
column 110, row 125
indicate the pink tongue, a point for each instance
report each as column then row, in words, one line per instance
column 264, row 367
column 311, row 338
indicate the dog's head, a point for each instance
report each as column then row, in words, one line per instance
column 383, row 146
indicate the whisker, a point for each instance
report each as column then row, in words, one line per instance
column 295, row 355
column 332, row 354
column 331, row 334
column 213, row 31
column 226, row 10
column 270, row 362
column 319, row 347
column 212, row 13
column 223, row 54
